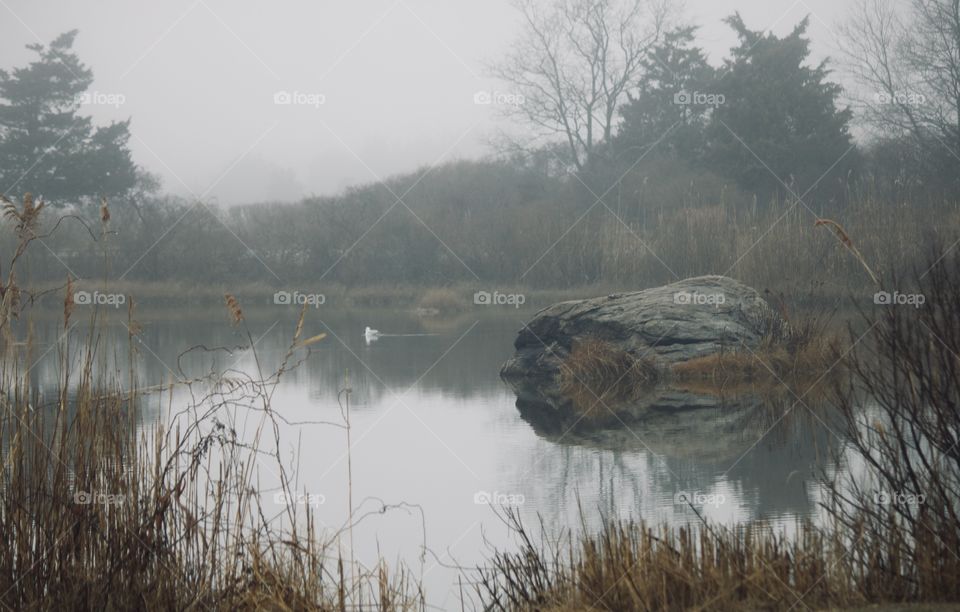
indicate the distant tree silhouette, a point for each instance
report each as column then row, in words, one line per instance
column 779, row 124
column 46, row 147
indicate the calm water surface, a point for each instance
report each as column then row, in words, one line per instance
column 436, row 433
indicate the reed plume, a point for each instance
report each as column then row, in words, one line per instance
column 847, row 242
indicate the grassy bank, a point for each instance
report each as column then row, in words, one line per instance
column 100, row 514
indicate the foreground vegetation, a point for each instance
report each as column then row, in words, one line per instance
column 101, row 514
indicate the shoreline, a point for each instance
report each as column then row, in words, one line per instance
column 424, row 300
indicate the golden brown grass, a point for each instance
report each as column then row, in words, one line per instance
column 631, row 566
column 847, row 242
column 794, row 349
column 595, row 371
column 765, row 367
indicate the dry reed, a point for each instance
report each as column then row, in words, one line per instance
column 100, row 510
column 596, row 372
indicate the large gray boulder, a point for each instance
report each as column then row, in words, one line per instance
column 690, row 318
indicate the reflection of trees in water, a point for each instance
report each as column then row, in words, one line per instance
column 556, row 477
column 468, row 368
column 784, row 468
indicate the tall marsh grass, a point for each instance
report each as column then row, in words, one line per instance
column 99, row 513
column 99, row 510
column 634, row 566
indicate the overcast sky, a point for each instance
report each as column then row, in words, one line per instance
column 397, row 80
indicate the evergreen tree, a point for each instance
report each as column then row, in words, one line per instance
column 779, row 120
column 663, row 107
column 46, row 147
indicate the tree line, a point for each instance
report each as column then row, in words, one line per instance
column 641, row 162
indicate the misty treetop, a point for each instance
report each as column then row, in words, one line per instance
column 46, row 146
column 762, row 117
column 781, row 117
column 683, row 179
column 655, row 111
column 574, row 63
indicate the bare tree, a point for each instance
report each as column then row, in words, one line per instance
column 575, row 62
column 907, row 63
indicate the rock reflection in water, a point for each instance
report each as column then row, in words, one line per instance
column 762, row 446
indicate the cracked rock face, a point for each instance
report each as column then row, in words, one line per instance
column 690, row 318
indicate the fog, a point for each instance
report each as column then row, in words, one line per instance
column 380, row 283
column 397, row 81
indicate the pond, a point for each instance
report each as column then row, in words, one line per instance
column 438, row 438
